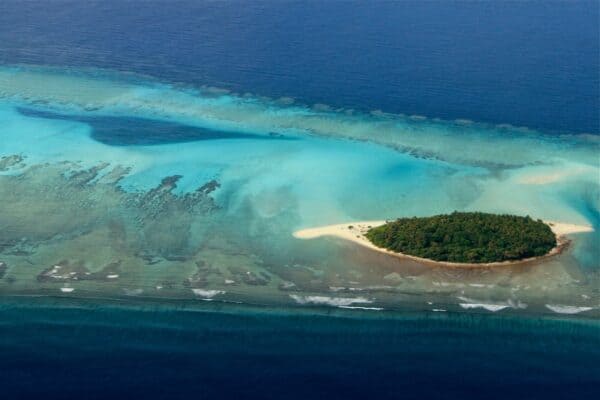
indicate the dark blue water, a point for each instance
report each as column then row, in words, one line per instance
column 91, row 351
column 133, row 131
column 525, row 63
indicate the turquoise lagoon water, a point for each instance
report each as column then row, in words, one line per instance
column 135, row 187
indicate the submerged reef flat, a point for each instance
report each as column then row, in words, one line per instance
column 119, row 186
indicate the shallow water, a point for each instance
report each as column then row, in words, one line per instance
column 117, row 185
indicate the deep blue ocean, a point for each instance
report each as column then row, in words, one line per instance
column 533, row 64
column 71, row 349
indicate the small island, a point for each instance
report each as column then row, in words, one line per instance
column 466, row 237
column 460, row 239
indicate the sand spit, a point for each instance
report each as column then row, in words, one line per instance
column 355, row 232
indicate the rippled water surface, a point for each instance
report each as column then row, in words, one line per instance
column 91, row 350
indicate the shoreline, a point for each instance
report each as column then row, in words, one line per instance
column 355, row 232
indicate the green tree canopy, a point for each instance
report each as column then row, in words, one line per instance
column 466, row 237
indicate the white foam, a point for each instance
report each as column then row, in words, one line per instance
column 367, row 288
column 477, row 285
column 330, row 301
column 489, row 307
column 472, row 303
column 362, row 308
column 55, row 269
column 207, row 294
column 67, row 289
column 562, row 309
column 112, row 276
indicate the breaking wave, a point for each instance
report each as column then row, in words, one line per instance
column 562, row 309
column 330, row 301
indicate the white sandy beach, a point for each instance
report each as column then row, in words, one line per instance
column 355, row 232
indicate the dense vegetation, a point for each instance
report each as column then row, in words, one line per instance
column 468, row 237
